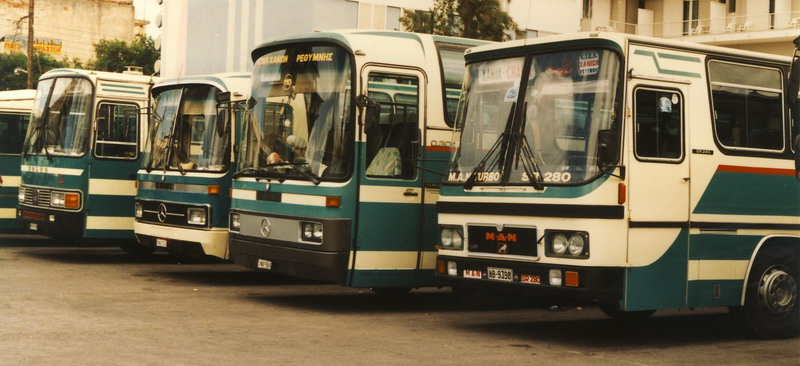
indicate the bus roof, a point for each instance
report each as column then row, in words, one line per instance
column 238, row 82
column 619, row 39
column 105, row 75
column 355, row 39
column 17, row 100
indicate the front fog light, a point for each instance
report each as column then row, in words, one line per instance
column 236, row 224
column 137, row 207
column 555, row 277
column 452, row 269
column 560, row 244
column 311, row 231
column 196, row 216
column 576, row 244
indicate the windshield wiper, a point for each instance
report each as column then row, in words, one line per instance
column 525, row 154
column 501, row 143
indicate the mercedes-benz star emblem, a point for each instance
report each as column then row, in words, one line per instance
column 162, row 212
column 265, row 227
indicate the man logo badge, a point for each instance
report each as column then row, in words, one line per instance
column 502, row 248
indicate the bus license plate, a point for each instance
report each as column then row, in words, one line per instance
column 264, row 264
column 161, row 243
column 500, row 274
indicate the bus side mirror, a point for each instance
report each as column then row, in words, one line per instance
column 371, row 111
column 607, row 151
column 223, row 97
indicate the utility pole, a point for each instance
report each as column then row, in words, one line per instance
column 30, row 44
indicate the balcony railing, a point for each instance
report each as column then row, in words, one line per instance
column 709, row 26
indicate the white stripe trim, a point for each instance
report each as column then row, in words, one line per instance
column 109, row 223
column 389, row 194
column 717, row 269
column 11, row 181
column 50, row 170
column 112, row 187
column 371, row 260
column 303, row 199
column 243, row 194
column 8, row 213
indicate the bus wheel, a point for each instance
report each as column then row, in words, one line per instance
column 625, row 318
column 770, row 305
column 133, row 247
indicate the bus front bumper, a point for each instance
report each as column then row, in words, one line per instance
column 589, row 283
column 330, row 266
column 183, row 240
column 51, row 223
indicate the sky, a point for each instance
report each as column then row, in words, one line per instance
column 148, row 10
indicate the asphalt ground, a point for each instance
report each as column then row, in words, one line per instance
column 96, row 305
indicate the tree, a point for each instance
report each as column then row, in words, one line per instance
column 115, row 55
column 480, row 19
column 42, row 63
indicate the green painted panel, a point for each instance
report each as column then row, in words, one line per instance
column 722, row 247
column 102, row 205
column 391, row 278
column 708, row 293
column 389, row 226
column 750, row 194
column 662, row 284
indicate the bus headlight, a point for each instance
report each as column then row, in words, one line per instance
column 568, row 244
column 57, row 199
column 451, row 237
column 559, row 244
column 65, row 199
column 311, row 231
column 236, row 223
column 21, row 194
column 196, row 216
column 137, row 209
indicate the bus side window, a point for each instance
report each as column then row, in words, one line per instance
column 117, row 131
column 659, row 124
column 390, row 152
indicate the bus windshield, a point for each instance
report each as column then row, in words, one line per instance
column 186, row 133
column 548, row 130
column 301, row 124
column 60, row 122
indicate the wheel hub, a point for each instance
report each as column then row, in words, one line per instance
column 777, row 291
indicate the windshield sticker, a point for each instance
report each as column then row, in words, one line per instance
column 315, row 57
column 664, row 105
column 588, row 63
column 511, row 94
column 675, row 99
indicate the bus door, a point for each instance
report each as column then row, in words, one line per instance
column 391, row 190
column 658, row 170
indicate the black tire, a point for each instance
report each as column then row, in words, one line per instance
column 625, row 318
column 133, row 247
column 771, row 306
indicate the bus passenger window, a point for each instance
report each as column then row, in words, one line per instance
column 658, row 124
column 390, row 152
column 117, row 131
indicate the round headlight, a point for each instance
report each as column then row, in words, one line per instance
column 560, row 244
column 458, row 241
column 576, row 244
column 446, row 237
column 317, row 231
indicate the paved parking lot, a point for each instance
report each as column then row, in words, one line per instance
column 96, row 305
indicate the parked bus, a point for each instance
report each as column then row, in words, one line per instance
column 641, row 173
column 340, row 163
column 81, row 154
column 15, row 112
column 184, row 182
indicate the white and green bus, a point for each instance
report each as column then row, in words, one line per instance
column 81, row 154
column 15, row 112
column 341, row 160
column 641, row 173
column 184, row 183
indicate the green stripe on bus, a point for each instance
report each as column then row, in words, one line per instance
column 750, row 194
column 667, row 71
column 662, row 284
